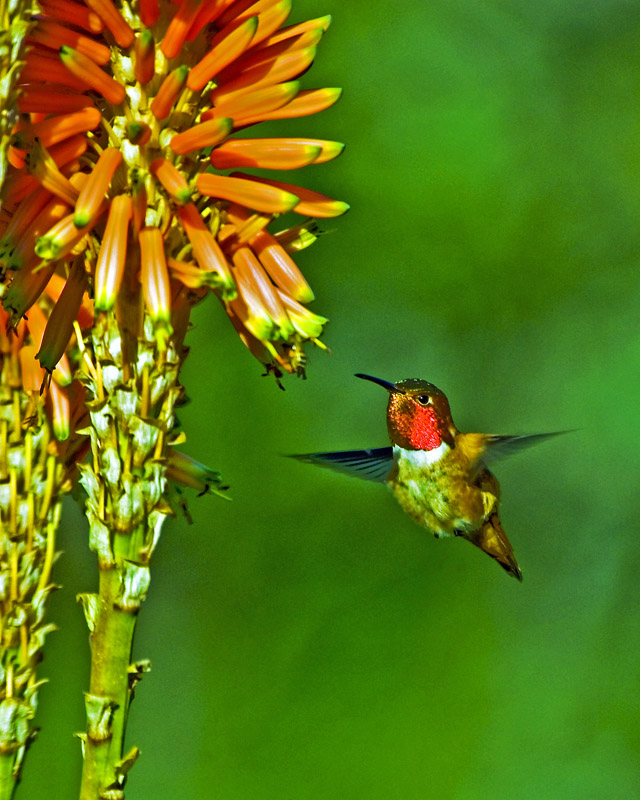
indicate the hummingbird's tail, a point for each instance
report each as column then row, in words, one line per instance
column 493, row 541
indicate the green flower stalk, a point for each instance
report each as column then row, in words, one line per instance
column 36, row 469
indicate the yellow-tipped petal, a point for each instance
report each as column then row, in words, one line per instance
column 256, row 289
column 281, row 153
column 144, row 57
column 155, row 276
column 225, row 47
column 42, row 166
column 310, row 203
column 309, row 102
column 263, row 154
column 113, row 19
column 113, row 252
column 206, row 250
column 53, row 35
column 281, row 267
column 249, row 193
column 60, row 412
column 179, row 27
column 278, row 70
column 88, row 71
column 95, row 188
column 172, row 180
column 206, row 134
column 169, row 92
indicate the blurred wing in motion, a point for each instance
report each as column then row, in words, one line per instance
column 371, row 465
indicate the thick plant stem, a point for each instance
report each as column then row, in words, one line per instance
column 111, row 643
column 132, row 394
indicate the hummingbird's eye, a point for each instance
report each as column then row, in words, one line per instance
column 424, row 399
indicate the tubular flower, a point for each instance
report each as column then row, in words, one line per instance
column 149, row 98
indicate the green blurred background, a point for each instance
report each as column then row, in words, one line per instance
column 308, row 640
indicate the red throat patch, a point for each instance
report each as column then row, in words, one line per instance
column 417, row 430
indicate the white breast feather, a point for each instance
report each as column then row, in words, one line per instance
column 420, row 458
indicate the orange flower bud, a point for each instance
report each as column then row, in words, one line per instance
column 155, row 276
column 225, row 47
column 281, row 267
column 250, row 193
column 260, row 295
column 75, row 13
column 206, row 250
column 113, row 252
column 51, row 34
column 113, row 19
column 60, row 323
column 179, row 27
column 311, row 204
column 87, row 70
column 206, row 134
column 95, row 188
column 149, row 12
column 60, row 412
column 172, row 179
column 32, row 373
column 144, row 56
column 169, row 92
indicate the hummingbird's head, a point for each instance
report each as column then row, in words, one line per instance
column 418, row 414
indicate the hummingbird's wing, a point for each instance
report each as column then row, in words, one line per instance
column 484, row 449
column 371, row 465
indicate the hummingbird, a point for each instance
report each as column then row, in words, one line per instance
column 439, row 475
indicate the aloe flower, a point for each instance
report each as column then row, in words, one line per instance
column 131, row 195
column 140, row 109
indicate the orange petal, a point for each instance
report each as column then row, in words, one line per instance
column 25, row 288
column 23, row 253
column 60, row 412
column 32, row 373
column 155, row 276
column 255, row 279
column 51, row 34
column 282, row 269
column 87, row 70
column 56, row 129
column 262, row 101
column 47, row 101
column 138, row 199
column 75, row 13
column 149, row 11
column 274, row 153
column 225, row 47
column 172, row 180
column 41, row 165
column 95, row 188
column 37, row 323
column 22, row 217
column 179, row 26
column 311, row 204
column 258, row 56
column 54, row 289
column 144, row 56
column 113, row 19
column 60, row 323
column 207, row 13
column 64, row 236
column 282, row 68
column 206, row 134
column 292, row 31
column 113, row 253
column 44, row 67
column 206, row 250
column 169, row 92
column 306, row 103
column 250, row 193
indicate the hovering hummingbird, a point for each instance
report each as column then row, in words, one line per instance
column 439, row 475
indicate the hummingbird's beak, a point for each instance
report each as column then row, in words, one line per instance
column 390, row 387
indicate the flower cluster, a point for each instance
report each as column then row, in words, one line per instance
column 115, row 190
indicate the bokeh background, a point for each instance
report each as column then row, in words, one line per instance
column 308, row 640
